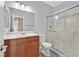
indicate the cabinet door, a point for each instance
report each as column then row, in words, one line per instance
column 10, row 51
column 21, row 50
column 29, row 51
column 35, row 48
column 32, row 49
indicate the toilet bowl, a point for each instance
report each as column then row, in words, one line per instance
column 46, row 48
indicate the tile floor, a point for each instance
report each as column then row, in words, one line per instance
column 53, row 54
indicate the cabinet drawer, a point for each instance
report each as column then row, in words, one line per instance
column 26, row 40
column 36, row 38
column 21, row 40
column 9, row 42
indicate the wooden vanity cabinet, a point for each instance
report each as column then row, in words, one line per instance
column 22, row 47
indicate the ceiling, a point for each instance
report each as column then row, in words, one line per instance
column 53, row 3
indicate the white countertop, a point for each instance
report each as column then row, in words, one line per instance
column 13, row 36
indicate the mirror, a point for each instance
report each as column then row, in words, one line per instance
column 6, row 19
column 17, row 20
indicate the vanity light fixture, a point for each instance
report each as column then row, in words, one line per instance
column 22, row 6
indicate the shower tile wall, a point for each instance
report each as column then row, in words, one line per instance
column 63, row 33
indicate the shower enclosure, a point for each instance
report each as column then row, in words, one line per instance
column 63, row 31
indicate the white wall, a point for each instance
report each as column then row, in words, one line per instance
column 1, row 23
column 41, row 10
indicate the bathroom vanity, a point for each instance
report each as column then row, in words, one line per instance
column 22, row 45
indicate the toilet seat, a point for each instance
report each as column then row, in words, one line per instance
column 46, row 45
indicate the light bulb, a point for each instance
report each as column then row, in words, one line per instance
column 22, row 6
column 17, row 5
column 28, row 8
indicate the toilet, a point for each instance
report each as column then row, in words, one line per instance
column 46, row 48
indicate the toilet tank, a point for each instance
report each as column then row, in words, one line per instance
column 42, row 37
